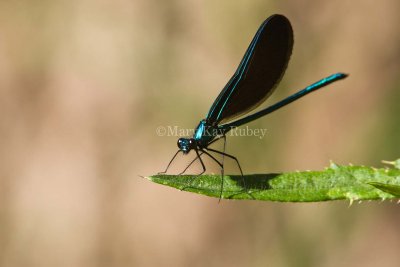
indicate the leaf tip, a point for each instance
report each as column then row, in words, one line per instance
column 386, row 188
column 146, row 177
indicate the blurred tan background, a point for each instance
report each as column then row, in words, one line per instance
column 84, row 85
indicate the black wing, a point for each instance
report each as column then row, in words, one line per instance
column 260, row 70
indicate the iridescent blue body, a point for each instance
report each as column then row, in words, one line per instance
column 205, row 132
column 258, row 74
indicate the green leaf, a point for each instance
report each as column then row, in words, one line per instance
column 335, row 182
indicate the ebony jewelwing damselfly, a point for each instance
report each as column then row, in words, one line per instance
column 259, row 72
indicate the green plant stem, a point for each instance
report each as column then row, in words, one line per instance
column 334, row 183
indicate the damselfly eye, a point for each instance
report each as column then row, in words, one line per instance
column 181, row 143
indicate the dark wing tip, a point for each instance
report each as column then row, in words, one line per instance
column 278, row 17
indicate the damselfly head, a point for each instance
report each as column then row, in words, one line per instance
column 186, row 144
